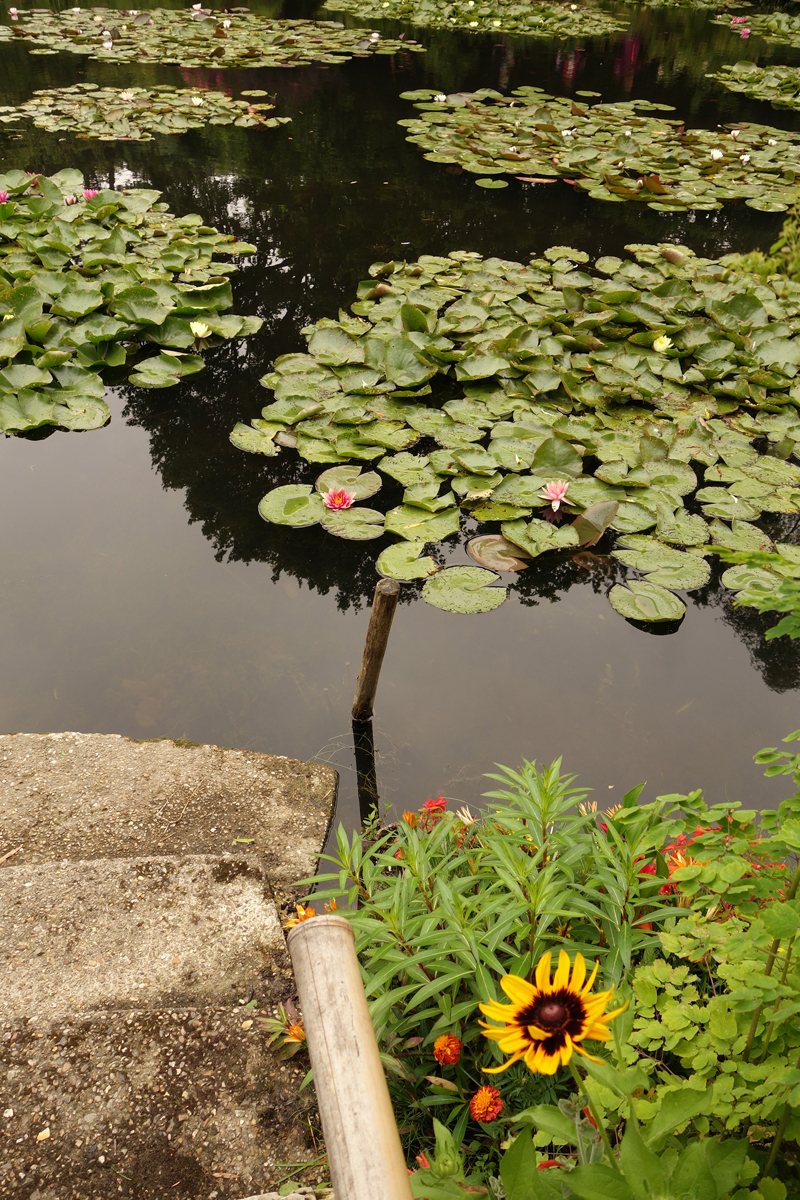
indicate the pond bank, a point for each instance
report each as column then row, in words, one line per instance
column 142, row 885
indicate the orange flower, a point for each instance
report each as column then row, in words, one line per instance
column 447, row 1050
column 411, row 819
column 486, row 1105
column 303, row 914
column 332, row 907
column 295, row 1033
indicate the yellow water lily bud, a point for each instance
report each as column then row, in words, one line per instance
column 662, row 344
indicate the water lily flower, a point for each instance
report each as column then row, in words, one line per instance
column 745, row 158
column 441, row 98
column 12, row 12
column 555, row 491
column 108, row 45
column 89, row 193
column 76, row 10
column 106, row 33
column 662, row 344
column 338, row 498
column 546, row 1021
column 735, row 133
column 126, row 96
column 70, row 199
column 496, row 23
column 772, row 142
column 226, row 24
column 3, row 197
column 447, row 1050
column 200, row 329
column 716, row 155
column 197, row 8
column 745, row 33
column 473, row 24
column 486, row 1105
column 737, row 20
column 197, row 101
column 374, row 37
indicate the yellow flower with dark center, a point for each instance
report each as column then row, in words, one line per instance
column 546, row 1021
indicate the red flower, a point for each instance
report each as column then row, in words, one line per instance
column 447, row 1050
column 422, row 1160
column 550, row 1162
column 432, row 812
column 486, row 1105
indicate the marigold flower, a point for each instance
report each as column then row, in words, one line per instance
column 547, row 1021
column 486, row 1105
column 338, row 498
column 555, row 491
column 411, row 819
column 303, row 914
column 447, row 1050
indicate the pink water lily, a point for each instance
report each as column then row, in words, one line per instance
column 89, row 193
column 70, row 199
column 3, row 197
column 555, row 491
column 338, row 498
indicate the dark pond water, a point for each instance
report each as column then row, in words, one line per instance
column 140, row 592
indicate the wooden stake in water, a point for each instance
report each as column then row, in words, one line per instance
column 364, row 1152
column 380, row 623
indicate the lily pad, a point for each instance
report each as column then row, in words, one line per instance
column 464, row 590
column 616, row 151
column 415, row 524
column 492, row 550
column 254, row 441
column 406, row 561
column 199, row 38
column 537, row 19
column 293, row 504
column 355, row 524
column 643, row 601
column 361, row 486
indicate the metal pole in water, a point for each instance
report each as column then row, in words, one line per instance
column 364, row 1152
column 380, row 623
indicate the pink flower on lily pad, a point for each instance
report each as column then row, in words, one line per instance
column 70, row 199
column 555, row 491
column 89, row 193
column 338, row 498
column 3, row 197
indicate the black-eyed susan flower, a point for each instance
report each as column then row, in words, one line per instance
column 546, row 1021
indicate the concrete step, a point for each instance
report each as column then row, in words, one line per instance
column 137, row 920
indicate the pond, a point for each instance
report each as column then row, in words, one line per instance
column 141, row 591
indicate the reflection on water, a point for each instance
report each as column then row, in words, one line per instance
column 142, row 594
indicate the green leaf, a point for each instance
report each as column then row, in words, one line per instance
column 492, row 550
column 642, row 601
column 416, row 525
column 403, row 561
column 293, row 504
column 254, row 441
column 675, row 1109
column 599, row 1182
column 781, row 920
column 402, row 364
column 355, row 524
column 642, row 1169
column 464, row 590
column 362, row 486
column 518, row 1169
column 557, row 456
column 550, row 1120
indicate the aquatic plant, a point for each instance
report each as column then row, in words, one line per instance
column 618, row 153
column 485, row 386
column 536, row 19
column 111, row 114
column 772, row 26
column 779, row 85
column 195, row 37
column 87, row 284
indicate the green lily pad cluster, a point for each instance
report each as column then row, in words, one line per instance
column 494, row 16
column 662, row 389
column 772, row 26
column 87, row 280
column 112, row 114
column 620, row 153
column 779, row 85
column 755, row 584
column 197, row 38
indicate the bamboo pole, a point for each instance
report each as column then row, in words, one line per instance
column 364, row 1152
column 380, row 623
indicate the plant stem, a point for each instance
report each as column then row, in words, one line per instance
column 780, row 1131
column 773, row 954
column 776, row 1006
column 601, row 1129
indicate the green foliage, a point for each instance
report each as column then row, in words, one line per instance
column 768, row 582
column 500, row 16
column 617, row 152
column 233, row 38
column 87, row 279
column 135, row 113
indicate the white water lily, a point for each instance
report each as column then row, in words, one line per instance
column 772, row 142
column 716, row 155
column 735, row 133
column 226, row 24
column 496, row 23
column 662, row 344
column 441, row 98
column 108, row 45
column 200, row 329
column 745, row 158
column 126, row 96
column 197, row 101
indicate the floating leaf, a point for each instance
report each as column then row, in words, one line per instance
column 403, row 561
column 254, row 441
column 492, row 550
column 362, row 486
column 537, row 19
column 464, row 590
column 594, row 521
column 293, row 504
column 642, row 601
column 355, row 524
column 538, row 536
column 415, row 524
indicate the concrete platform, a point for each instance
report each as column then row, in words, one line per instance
column 138, row 918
